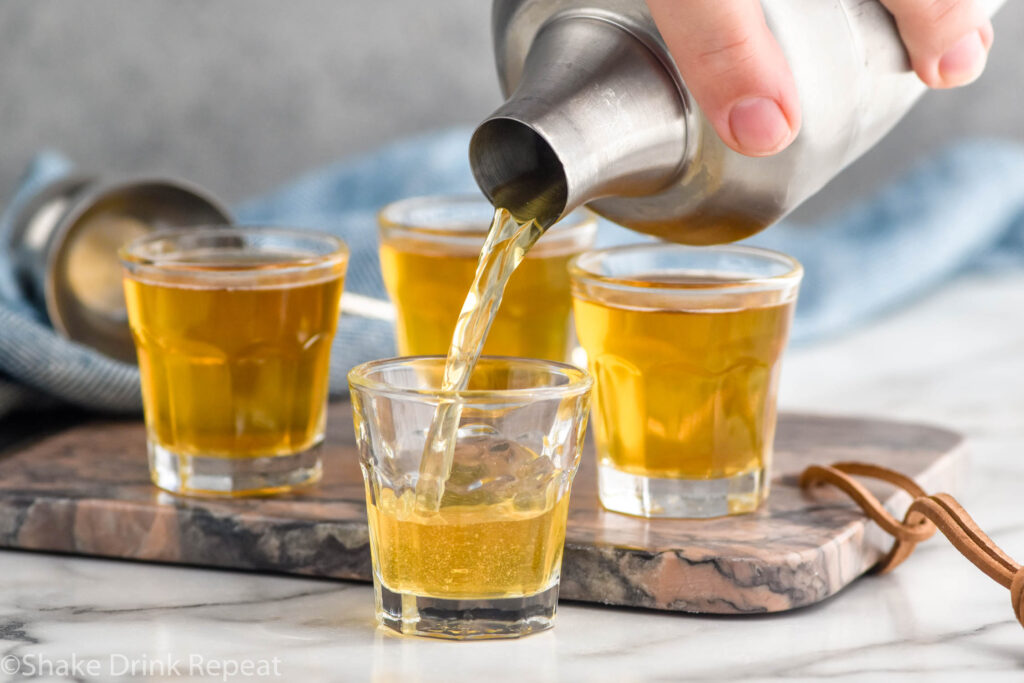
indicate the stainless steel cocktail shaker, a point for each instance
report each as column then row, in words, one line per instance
column 598, row 114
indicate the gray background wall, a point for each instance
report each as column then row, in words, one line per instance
column 240, row 95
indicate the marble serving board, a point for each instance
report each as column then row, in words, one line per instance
column 85, row 489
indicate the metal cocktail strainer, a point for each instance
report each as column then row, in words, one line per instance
column 64, row 244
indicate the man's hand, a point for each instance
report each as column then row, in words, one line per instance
column 739, row 76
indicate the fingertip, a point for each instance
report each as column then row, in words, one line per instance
column 758, row 126
column 963, row 62
column 948, row 41
column 988, row 35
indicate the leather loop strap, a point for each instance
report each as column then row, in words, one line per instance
column 1017, row 594
column 990, row 558
column 925, row 514
column 838, row 476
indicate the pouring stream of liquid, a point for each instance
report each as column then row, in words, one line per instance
column 504, row 249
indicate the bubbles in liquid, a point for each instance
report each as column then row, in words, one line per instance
column 485, row 471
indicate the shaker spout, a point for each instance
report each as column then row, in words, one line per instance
column 595, row 113
column 519, row 170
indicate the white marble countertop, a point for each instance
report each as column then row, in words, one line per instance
column 955, row 358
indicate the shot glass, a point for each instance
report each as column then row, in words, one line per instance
column 685, row 346
column 485, row 563
column 233, row 330
column 428, row 251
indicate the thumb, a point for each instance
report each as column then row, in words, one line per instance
column 734, row 69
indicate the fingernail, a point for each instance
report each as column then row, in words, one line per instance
column 758, row 126
column 963, row 62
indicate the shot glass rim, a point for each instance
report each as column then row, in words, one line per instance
column 337, row 255
column 580, row 381
column 585, row 218
column 578, row 269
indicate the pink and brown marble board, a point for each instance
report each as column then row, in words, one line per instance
column 85, row 490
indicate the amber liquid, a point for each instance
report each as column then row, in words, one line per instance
column 429, row 287
column 488, row 539
column 684, row 394
column 234, row 373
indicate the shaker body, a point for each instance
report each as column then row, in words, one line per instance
column 853, row 78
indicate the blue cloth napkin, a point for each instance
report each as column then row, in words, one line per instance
column 962, row 208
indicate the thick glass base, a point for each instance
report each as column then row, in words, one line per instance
column 632, row 494
column 199, row 475
column 469, row 619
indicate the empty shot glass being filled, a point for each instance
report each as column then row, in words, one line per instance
column 685, row 345
column 233, row 329
column 429, row 247
column 486, row 561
